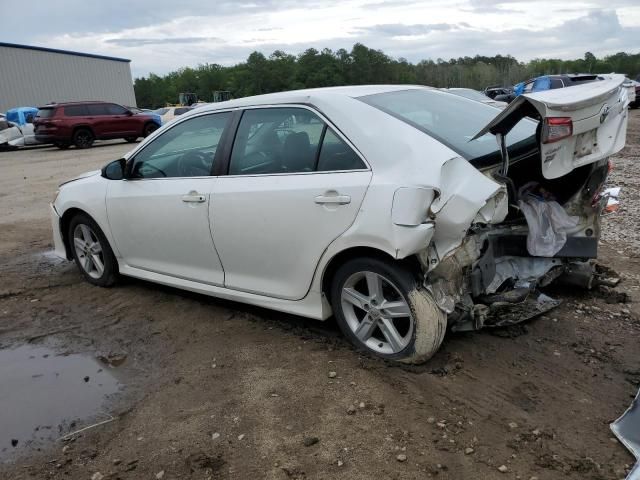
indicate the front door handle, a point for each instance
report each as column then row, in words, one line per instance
column 335, row 199
column 194, row 197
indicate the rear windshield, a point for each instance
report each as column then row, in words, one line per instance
column 452, row 120
column 45, row 113
column 468, row 93
column 180, row 111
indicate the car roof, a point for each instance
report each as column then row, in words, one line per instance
column 66, row 104
column 306, row 96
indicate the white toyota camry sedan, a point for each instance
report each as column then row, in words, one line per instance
column 403, row 211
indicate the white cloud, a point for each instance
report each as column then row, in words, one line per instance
column 158, row 38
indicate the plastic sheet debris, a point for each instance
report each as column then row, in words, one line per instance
column 627, row 430
column 613, row 200
column 547, row 220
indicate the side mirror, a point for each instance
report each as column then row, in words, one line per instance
column 129, row 113
column 114, row 170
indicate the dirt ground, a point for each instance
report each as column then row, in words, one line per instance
column 211, row 389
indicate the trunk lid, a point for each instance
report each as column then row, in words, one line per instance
column 580, row 125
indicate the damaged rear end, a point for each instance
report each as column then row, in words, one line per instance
column 527, row 214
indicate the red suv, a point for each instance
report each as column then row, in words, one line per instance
column 80, row 123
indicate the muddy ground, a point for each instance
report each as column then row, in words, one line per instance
column 213, row 389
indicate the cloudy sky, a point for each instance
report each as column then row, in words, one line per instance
column 163, row 35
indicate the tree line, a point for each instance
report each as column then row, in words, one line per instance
column 362, row 65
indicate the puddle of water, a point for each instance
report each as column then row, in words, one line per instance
column 44, row 395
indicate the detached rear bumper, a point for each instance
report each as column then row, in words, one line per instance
column 58, row 244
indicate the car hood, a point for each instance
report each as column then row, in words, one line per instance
column 92, row 173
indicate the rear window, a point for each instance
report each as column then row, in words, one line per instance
column 450, row 119
column 76, row 111
column 45, row 113
column 470, row 94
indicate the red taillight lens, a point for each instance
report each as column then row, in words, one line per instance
column 556, row 128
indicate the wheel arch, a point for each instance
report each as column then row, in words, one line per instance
column 65, row 221
column 146, row 124
column 411, row 263
column 82, row 126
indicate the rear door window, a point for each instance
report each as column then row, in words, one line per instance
column 335, row 154
column 76, row 111
column 98, row 109
column 276, row 140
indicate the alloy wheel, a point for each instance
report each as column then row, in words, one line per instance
column 377, row 313
column 88, row 250
column 83, row 139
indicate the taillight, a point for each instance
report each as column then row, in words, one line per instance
column 556, row 128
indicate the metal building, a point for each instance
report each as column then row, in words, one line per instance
column 35, row 76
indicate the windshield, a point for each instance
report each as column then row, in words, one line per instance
column 468, row 93
column 450, row 119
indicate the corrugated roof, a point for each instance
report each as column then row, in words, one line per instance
column 64, row 52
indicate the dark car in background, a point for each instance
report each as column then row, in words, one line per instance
column 81, row 123
column 499, row 94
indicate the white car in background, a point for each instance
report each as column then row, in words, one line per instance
column 391, row 207
column 169, row 113
column 472, row 94
column 13, row 135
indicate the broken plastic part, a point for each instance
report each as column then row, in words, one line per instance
column 465, row 193
column 627, row 430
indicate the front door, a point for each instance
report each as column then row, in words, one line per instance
column 293, row 186
column 121, row 122
column 159, row 215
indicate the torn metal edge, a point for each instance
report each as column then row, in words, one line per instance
column 627, row 431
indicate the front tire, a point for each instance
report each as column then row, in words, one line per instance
column 381, row 309
column 91, row 251
column 149, row 128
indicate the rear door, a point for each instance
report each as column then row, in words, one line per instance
column 99, row 117
column 580, row 125
column 293, row 186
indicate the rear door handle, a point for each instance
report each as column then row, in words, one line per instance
column 335, row 199
column 194, row 197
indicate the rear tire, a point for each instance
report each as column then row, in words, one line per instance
column 83, row 138
column 91, row 251
column 381, row 309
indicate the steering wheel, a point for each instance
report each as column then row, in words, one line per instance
column 194, row 164
column 144, row 169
